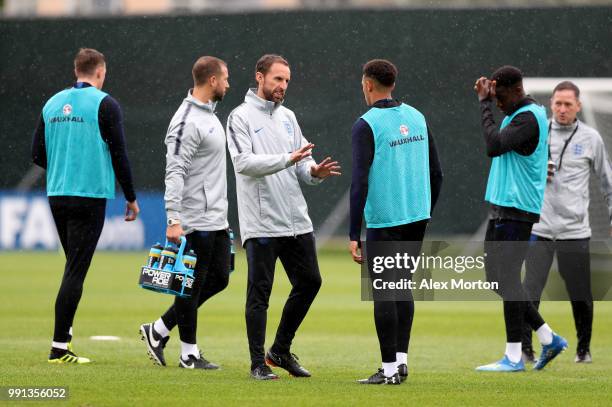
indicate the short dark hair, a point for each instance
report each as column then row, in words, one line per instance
column 87, row 60
column 567, row 85
column 507, row 76
column 264, row 63
column 382, row 71
column 205, row 67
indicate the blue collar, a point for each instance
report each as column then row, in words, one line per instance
column 80, row 85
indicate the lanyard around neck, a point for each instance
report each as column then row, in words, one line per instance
column 564, row 145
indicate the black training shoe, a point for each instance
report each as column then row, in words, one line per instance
column 402, row 371
column 583, row 356
column 194, row 362
column 528, row 356
column 155, row 343
column 380, row 378
column 288, row 361
column 263, row 372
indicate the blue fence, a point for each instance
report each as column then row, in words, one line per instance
column 26, row 223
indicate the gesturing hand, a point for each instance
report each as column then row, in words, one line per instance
column 325, row 168
column 483, row 88
column 302, row 153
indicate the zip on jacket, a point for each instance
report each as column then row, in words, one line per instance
column 196, row 168
column 261, row 135
column 565, row 212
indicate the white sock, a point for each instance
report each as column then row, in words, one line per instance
column 189, row 349
column 401, row 358
column 545, row 334
column 389, row 369
column 513, row 351
column 161, row 328
column 60, row 345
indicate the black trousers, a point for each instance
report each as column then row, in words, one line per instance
column 299, row 258
column 506, row 244
column 211, row 276
column 393, row 319
column 79, row 223
column 574, row 261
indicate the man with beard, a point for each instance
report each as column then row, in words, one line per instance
column 196, row 206
column 270, row 157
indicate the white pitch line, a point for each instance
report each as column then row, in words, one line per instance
column 104, row 338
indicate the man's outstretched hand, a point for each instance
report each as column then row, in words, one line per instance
column 325, row 168
column 299, row 155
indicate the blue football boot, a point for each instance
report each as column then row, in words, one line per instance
column 549, row 352
column 504, row 365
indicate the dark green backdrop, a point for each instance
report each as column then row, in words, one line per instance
column 439, row 53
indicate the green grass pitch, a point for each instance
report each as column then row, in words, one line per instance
column 337, row 343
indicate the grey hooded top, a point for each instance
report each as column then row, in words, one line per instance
column 261, row 136
column 565, row 212
column 196, row 173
